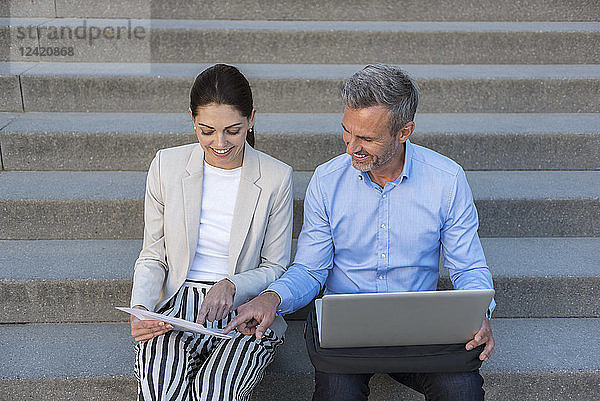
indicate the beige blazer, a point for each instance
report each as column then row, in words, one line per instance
column 261, row 233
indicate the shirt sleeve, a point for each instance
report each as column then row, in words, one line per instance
column 461, row 247
column 301, row 283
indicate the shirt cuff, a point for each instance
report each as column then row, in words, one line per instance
column 490, row 310
column 285, row 306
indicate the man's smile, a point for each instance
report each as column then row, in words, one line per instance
column 360, row 156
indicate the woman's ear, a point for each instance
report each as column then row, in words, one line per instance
column 251, row 119
column 193, row 122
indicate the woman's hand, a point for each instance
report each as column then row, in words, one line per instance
column 217, row 303
column 144, row 330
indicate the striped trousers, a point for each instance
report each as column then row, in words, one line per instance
column 182, row 366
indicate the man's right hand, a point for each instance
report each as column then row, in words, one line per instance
column 256, row 315
column 144, row 330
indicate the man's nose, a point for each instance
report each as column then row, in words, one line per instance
column 351, row 146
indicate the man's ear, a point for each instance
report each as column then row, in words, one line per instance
column 406, row 131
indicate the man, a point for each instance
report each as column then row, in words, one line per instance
column 374, row 219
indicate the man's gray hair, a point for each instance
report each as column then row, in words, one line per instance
column 384, row 85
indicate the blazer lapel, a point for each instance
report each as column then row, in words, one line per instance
column 192, row 199
column 245, row 205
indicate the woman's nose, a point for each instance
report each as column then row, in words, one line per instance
column 221, row 139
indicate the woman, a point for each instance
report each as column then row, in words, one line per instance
column 218, row 227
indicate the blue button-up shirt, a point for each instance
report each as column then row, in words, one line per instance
column 359, row 237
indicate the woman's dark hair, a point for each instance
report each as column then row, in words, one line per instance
column 223, row 84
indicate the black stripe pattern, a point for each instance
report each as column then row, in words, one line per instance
column 182, row 366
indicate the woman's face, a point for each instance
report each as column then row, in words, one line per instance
column 221, row 131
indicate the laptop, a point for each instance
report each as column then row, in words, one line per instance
column 400, row 318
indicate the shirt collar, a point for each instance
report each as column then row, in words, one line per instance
column 408, row 154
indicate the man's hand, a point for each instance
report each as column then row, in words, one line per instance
column 144, row 330
column 256, row 315
column 483, row 336
column 217, row 303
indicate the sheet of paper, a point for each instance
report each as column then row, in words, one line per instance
column 178, row 324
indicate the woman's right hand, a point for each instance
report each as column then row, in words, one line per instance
column 144, row 330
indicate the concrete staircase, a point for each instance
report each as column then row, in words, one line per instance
column 509, row 89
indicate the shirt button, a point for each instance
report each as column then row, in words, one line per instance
column 380, row 277
column 383, row 226
column 360, row 177
column 383, row 255
column 383, row 196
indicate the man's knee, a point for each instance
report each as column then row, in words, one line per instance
column 333, row 387
column 462, row 386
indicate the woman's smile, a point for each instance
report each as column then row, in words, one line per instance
column 222, row 152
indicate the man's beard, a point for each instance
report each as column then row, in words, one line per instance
column 375, row 161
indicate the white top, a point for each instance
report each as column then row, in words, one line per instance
column 219, row 192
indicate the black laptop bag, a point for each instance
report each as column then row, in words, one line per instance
column 401, row 359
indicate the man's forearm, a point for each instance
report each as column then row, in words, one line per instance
column 296, row 288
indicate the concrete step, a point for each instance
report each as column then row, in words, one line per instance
column 108, row 205
column 128, row 141
column 95, row 361
column 65, row 281
column 309, row 88
column 543, row 277
column 330, row 42
column 10, row 85
column 410, row 10
column 41, row 279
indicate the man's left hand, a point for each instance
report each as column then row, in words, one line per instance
column 483, row 336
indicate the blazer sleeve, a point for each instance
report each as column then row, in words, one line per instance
column 151, row 268
column 276, row 248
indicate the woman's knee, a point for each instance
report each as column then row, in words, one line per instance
column 234, row 368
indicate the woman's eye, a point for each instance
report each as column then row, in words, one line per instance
column 233, row 132
column 206, row 132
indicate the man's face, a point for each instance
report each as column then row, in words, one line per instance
column 368, row 139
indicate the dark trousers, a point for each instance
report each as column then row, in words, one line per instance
column 466, row 386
